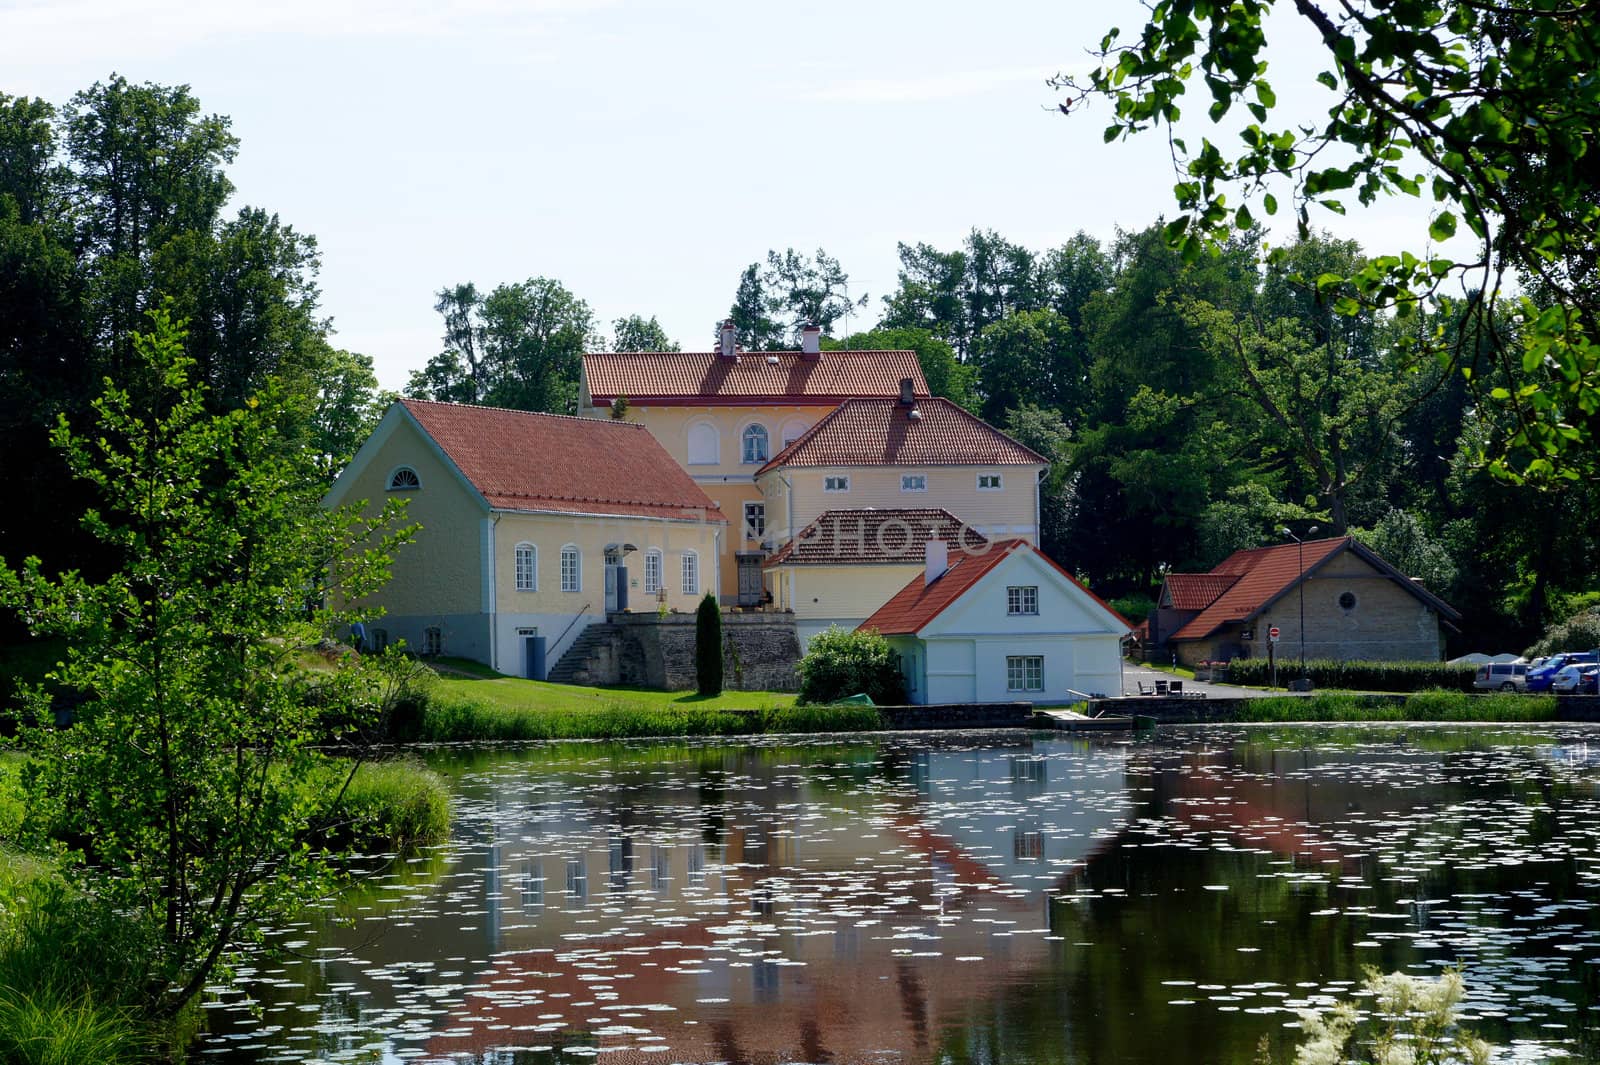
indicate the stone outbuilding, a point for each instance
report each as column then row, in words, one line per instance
column 1356, row 606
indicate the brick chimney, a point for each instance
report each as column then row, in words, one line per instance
column 811, row 341
column 908, row 392
column 726, row 349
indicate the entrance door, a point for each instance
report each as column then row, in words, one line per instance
column 750, row 588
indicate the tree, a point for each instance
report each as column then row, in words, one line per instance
column 945, row 376
column 635, row 333
column 708, row 646
column 805, row 291
column 1485, row 110
column 520, row 347
column 753, row 329
column 181, row 778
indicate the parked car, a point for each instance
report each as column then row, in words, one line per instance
column 1501, row 676
column 1539, row 679
column 1567, row 679
column 1588, row 680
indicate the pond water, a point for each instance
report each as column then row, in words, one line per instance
column 972, row 897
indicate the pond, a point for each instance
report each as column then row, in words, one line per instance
column 970, row 897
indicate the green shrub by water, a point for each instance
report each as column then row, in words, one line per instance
column 441, row 718
column 74, row 977
column 1436, row 705
column 1356, row 676
column 396, row 805
column 840, row 663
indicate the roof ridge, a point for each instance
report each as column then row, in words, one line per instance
column 513, row 410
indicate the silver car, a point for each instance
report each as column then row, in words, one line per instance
column 1502, row 676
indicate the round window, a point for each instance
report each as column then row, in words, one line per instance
column 1347, row 600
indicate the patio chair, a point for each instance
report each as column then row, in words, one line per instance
column 1161, row 687
column 1175, row 688
column 1144, row 690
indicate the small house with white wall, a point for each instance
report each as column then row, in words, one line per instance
column 1001, row 625
column 533, row 527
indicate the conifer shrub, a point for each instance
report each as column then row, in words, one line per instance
column 708, row 646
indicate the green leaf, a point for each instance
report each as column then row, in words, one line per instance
column 1443, row 226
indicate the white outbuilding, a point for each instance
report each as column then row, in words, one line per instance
column 1001, row 625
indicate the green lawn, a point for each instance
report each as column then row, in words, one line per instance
column 461, row 678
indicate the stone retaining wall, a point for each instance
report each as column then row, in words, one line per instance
column 1204, row 711
column 654, row 651
column 959, row 715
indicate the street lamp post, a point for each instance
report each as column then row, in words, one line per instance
column 1305, row 681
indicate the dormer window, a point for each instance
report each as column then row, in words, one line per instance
column 755, row 444
column 404, row 479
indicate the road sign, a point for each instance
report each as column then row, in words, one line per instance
column 1273, row 634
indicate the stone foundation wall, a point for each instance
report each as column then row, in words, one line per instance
column 651, row 651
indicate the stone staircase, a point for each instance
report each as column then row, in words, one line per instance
column 592, row 658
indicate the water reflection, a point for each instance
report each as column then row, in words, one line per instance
column 979, row 898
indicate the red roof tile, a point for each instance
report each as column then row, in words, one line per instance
column 699, row 378
column 1196, row 591
column 851, row 537
column 881, row 432
column 918, row 603
column 1259, row 575
column 550, row 462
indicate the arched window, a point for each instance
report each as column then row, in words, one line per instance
column 404, row 479
column 527, row 558
column 792, row 430
column 652, row 571
column 691, row 573
column 571, row 569
column 755, row 443
column 705, row 445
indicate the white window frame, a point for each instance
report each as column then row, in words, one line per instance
column 913, row 482
column 527, row 577
column 395, row 475
column 652, row 580
column 689, row 572
column 1017, row 669
column 998, row 486
column 760, row 512
column 748, row 435
column 1022, row 600
column 836, row 482
column 573, row 552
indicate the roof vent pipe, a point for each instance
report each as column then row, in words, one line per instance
column 937, row 557
column 811, row 341
column 908, row 393
column 726, row 348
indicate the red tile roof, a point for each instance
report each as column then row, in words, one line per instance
column 918, row 603
column 1196, row 591
column 851, row 537
column 1260, row 575
column 1263, row 574
column 881, row 432
column 699, row 378
column 550, row 462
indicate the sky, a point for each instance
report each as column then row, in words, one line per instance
column 642, row 153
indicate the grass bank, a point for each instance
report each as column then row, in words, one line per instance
column 394, row 805
column 470, row 703
column 1436, row 705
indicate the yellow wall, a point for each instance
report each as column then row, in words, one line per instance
column 439, row 572
column 550, row 532
column 729, row 482
column 1003, row 513
column 838, row 591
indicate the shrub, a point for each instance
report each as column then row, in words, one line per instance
column 708, row 646
column 1436, row 705
column 1135, row 607
column 841, row 663
column 1357, row 676
column 396, row 804
column 1580, row 632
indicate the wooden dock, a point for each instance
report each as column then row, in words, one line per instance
column 1072, row 721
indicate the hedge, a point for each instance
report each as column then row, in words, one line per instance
column 1356, row 676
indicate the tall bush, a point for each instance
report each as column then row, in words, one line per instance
column 841, row 663
column 1357, row 676
column 708, row 646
